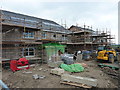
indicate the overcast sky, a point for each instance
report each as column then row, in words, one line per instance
column 100, row 15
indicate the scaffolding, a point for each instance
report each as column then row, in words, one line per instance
column 88, row 39
column 14, row 44
column 23, row 24
column 0, row 36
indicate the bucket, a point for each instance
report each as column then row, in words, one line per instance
column 86, row 55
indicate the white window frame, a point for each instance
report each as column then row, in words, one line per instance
column 44, row 35
column 94, row 39
column 24, row 51
column 28, row 34
column 64, row 37
column 54, row 37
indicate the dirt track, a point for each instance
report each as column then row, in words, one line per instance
column 25, row 80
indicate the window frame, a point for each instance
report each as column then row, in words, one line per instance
column 28, row 51
column 44, row 35
column 29, row 34
column 54, row 35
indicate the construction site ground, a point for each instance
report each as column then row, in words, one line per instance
column 25, row 80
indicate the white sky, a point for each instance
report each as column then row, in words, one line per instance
column 100, row 14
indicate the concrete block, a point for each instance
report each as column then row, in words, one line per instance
column 57, row 71
column 78, row 79
column 79, row 58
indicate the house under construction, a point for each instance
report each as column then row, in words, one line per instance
column 87, row 39
column 22, row 36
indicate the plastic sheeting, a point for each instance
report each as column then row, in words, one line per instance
column 4, row 86
column 53, row 48
column 67, row 58
column 86, row 55
column 72, row 67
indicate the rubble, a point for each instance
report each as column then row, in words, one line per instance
column 36, row 76
column 45, row 70
column 57, row 71
column 54, row 64
column 27, row 72
column 41, row 77
column 40, row 69
column 110, row 71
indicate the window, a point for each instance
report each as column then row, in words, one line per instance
column 94, row 39
column 54, row 35
column 44, row 35
column 28, row 51
column 64, row 37
column 28, row 34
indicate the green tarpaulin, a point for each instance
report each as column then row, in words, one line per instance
column 72, row 67
column 53, row 48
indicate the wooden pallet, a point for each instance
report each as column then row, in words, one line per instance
column 75, row 84
column 55, row 74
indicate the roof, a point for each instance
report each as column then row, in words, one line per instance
column 77, row 32
column 31, row 22
column 80, row 28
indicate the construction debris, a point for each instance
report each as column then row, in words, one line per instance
column 54, row 64
column 78, row 79
column 112, row 72
column 27, row 72
column 53, row 81
column 75, row 84
column 36, row 76
column 40, row 69
column 45, row 70
column 42, row 77
column 110, row 66
column 83, row 64
column 57, row 71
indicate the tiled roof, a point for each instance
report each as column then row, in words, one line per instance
column 32, row 22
